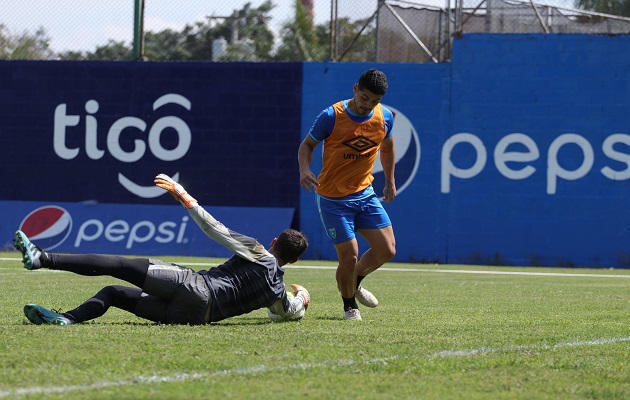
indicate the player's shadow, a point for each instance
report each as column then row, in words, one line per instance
column 239, row 322
column 324, row 318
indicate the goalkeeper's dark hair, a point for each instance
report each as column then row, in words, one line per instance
column 290, row 245
column 373, row 80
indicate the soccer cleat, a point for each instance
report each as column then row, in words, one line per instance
column 365, row 297
column 42, row 316
column 353, row 314
column 30, row 252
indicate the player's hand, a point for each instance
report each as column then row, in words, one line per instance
column 389, row 192
column 308, row 179
column 300, row 291
column 167, row 183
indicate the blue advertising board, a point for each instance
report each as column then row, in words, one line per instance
column 515, row 153
column 102, row 130
column 150, row 230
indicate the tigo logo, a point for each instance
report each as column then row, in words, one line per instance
column 49, row 226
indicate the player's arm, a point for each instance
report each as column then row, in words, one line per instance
column 293, row 309
column 321, row 129
column 305, row 157
column 388, row 161
column 241, row 245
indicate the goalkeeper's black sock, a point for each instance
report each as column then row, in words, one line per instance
column 349, row 303
column 359, row 279
column 43, row 259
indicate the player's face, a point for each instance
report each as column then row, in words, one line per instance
column 365, row 100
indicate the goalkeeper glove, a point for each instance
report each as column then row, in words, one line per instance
column 165, row 182
column 300, row 291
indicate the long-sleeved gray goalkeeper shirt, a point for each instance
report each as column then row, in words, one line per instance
column 249, row 280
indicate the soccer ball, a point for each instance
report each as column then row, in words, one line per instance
column 277, row 318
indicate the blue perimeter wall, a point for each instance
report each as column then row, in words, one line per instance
column 516, row 153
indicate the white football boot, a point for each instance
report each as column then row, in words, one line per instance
column 353, row 314
column 365, row 297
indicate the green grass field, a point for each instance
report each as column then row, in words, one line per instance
column 440, row 332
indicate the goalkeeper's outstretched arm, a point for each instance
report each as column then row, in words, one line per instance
column 241, row 245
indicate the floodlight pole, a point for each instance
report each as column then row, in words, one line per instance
column 138, row 30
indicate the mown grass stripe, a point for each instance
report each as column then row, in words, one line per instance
column 181, row 377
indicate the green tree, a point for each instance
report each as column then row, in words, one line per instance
column 25, row 46
column 112, row 51
column 166, row 45
column 299, row 39
column 355, row 40
column 613, row 7
column 252, row 30
column 245, row 30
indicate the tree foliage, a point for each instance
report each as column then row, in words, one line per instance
column 24, row 46
column 245, row 30
column 613, row 7
column 299, row 39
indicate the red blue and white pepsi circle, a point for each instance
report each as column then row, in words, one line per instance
column 47, row 226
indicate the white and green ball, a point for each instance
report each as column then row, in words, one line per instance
column 277, row 318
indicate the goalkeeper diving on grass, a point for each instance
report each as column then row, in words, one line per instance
column 171, row 294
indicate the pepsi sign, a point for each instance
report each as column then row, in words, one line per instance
column 133, row 229
column 49, row 226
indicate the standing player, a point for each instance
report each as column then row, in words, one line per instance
column 353, row 131
column 251, row 279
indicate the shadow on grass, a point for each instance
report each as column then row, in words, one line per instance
column 253, row 321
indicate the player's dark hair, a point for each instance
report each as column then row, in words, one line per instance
column 373, row 80
column 290, row 245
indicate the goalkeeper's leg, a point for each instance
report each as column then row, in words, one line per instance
column 123, row 297
column 132, row 270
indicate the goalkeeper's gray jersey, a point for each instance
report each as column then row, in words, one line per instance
column 249, row 280
column 239, row 286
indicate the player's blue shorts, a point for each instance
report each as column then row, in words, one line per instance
column 343, row 216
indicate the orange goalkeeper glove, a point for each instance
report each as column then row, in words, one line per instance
column 300, row 291
column 165, row 182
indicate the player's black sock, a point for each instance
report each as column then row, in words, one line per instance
column 349, row 303
column 359, row 279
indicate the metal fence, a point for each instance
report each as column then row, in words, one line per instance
column 408, row 32
column 344, row 30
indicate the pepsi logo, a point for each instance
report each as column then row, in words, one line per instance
column 407, row 144
column 49, row 226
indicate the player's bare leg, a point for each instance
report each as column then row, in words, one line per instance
column 382, row 249
column 347, row 254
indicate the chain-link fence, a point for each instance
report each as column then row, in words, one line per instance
column 410, row 32
column 275, row 30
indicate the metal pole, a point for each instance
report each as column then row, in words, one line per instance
column 377, row 36
column 331, row 54
column 138, row 29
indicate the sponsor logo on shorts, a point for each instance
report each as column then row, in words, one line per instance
column 332, row 233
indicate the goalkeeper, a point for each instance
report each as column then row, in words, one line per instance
column 168, row 293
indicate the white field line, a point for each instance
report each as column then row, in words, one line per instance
column 330, row 364
column 443, row 271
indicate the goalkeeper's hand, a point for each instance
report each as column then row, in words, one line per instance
column 300, row 291
column 165, row 182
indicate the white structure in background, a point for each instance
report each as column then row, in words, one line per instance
column 219, row 47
